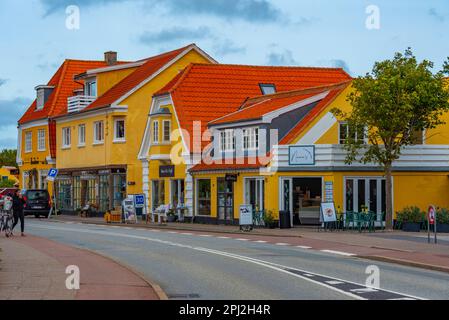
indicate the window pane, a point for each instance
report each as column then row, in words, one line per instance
column 167, row 131
column 204, row 197
column 349, row 195
column 361, row 196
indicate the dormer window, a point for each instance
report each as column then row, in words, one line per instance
column 267, row 88
column 90, row 88
column 42, row 94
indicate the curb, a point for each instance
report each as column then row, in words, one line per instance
column 159, row 292
column 166, row 227
column 407, row 263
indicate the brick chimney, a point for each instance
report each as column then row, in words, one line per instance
column 110, row 58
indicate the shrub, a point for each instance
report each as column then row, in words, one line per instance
column 442, row 216
column 268, row 217
column 411, row 214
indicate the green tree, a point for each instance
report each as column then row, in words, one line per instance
column 7, row 183
column 399, row 98
column 8, row 157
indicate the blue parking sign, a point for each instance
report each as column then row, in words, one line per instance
column 139, row 200
column 52, row 173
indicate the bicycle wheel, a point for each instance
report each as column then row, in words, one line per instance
column 8, row 227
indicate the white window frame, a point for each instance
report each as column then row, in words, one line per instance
column 101, row 132
column 81, row 142
column 227, row 140
column 88, row 88
column 41, row 143
column 340, row 123
column 165, row 124
column 66, row 137
column 250, row 139
column 28, row 141
column 155, row 132
column 40, row 98
column 116, row 138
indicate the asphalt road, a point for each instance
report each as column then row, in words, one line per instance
column 207, row 266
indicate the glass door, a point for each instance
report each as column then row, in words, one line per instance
column 225, row 197
column 254, row 193
column 286, row 196
column 365, row 192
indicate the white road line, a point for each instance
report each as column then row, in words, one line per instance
column 172, row 232
column 364, row 290
column 333, row 282
column 260, row 241
column 223, row 237
column 308, row 275
column 267, row 264
column 341, row 253
column 205, row 235
column 304, row 247
column 282, row 244
column 187, row 233
column 242, row 239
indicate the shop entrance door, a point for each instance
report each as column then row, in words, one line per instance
column 254, row 193
column 225, row 197
column 285, row 196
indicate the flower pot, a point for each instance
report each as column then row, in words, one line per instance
column 171, row 218
column 442, row 227
column 411, row 226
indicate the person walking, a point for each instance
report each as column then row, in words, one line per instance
column 17, row 208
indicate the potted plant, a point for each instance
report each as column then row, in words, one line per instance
column 268, row 219
column 442, row 220
column 171, row 217
column 410, row 218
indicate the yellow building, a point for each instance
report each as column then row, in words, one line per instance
column 98, row 137
column 271, row 142
column 8, row 174
column 36, row 149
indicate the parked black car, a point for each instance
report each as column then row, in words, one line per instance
column 37, row 203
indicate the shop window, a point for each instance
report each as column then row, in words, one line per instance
column 103, row 197
column 119, row 130
column 225, row 198
column 41, row 140
column 346, row 132
column 166, row 127
column 177, row 193
column 66, row 137
column 255, row 193
column 203, row 197
column 307, row 197
column 28, row 141
column 76, row 193
column 119, row 189
column 64, row 194
column 158, row 193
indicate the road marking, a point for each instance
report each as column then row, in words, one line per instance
column 261, row 241
column 205, row 235
column 282, row 244
column 334, row 282
column 172, row 232
column 341, row 253
column 187, row 233
column 223, row 237
column 364, row 290
column 242, row 239
column 304, row 247
column 298, row 273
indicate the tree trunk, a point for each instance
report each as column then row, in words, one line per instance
column 388, row 198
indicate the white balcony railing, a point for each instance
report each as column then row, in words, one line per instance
column 78, row 103
column 326, row 155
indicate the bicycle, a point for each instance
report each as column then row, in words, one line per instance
column 6, row 222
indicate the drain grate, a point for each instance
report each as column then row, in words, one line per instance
column 183, row 296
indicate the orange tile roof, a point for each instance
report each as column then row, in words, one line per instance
column 255, row 108
column 56, row 104
column 206, row 92
column 150, row 67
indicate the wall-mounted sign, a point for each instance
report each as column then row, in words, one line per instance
column 329, row 191
column 231, row 177
column 301, row 155
column 166, row 171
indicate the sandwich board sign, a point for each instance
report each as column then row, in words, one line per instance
column 327, row 212
column 52, row 174
column 246, row 216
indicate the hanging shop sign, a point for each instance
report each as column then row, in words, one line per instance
column 301, row 155
column 166, row 171
column 231, row 177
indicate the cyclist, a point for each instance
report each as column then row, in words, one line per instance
column 17, row 208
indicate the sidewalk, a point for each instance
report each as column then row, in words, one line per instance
column 410, row 249
column 33, row 268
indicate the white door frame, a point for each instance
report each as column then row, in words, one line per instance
column 261, row 196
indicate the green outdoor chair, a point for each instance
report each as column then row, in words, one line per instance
column 348, row 220
column 357, row 221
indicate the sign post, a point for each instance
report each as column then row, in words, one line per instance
column 51, row 176
column 431, row 220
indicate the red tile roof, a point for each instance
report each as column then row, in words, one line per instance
column 206, row 92
column 255, row 108
column 149, row 68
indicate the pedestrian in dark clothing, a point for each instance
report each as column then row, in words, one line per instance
column 17, row 208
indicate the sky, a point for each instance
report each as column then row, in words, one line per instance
column 37, row 35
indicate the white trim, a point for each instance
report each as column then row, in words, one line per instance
column 19, row 147
column 119, row 139
column 64, row 131
column 317, row 131
column 81, row 144
column 268, row 117
column 93, row 72
column 155, row 132
column 29, row 150
column 90, row 113
column 33, row 124
column 39, row 140
column 165, row 67
column 95, row 140
column 160, row 157
column 164, row 121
